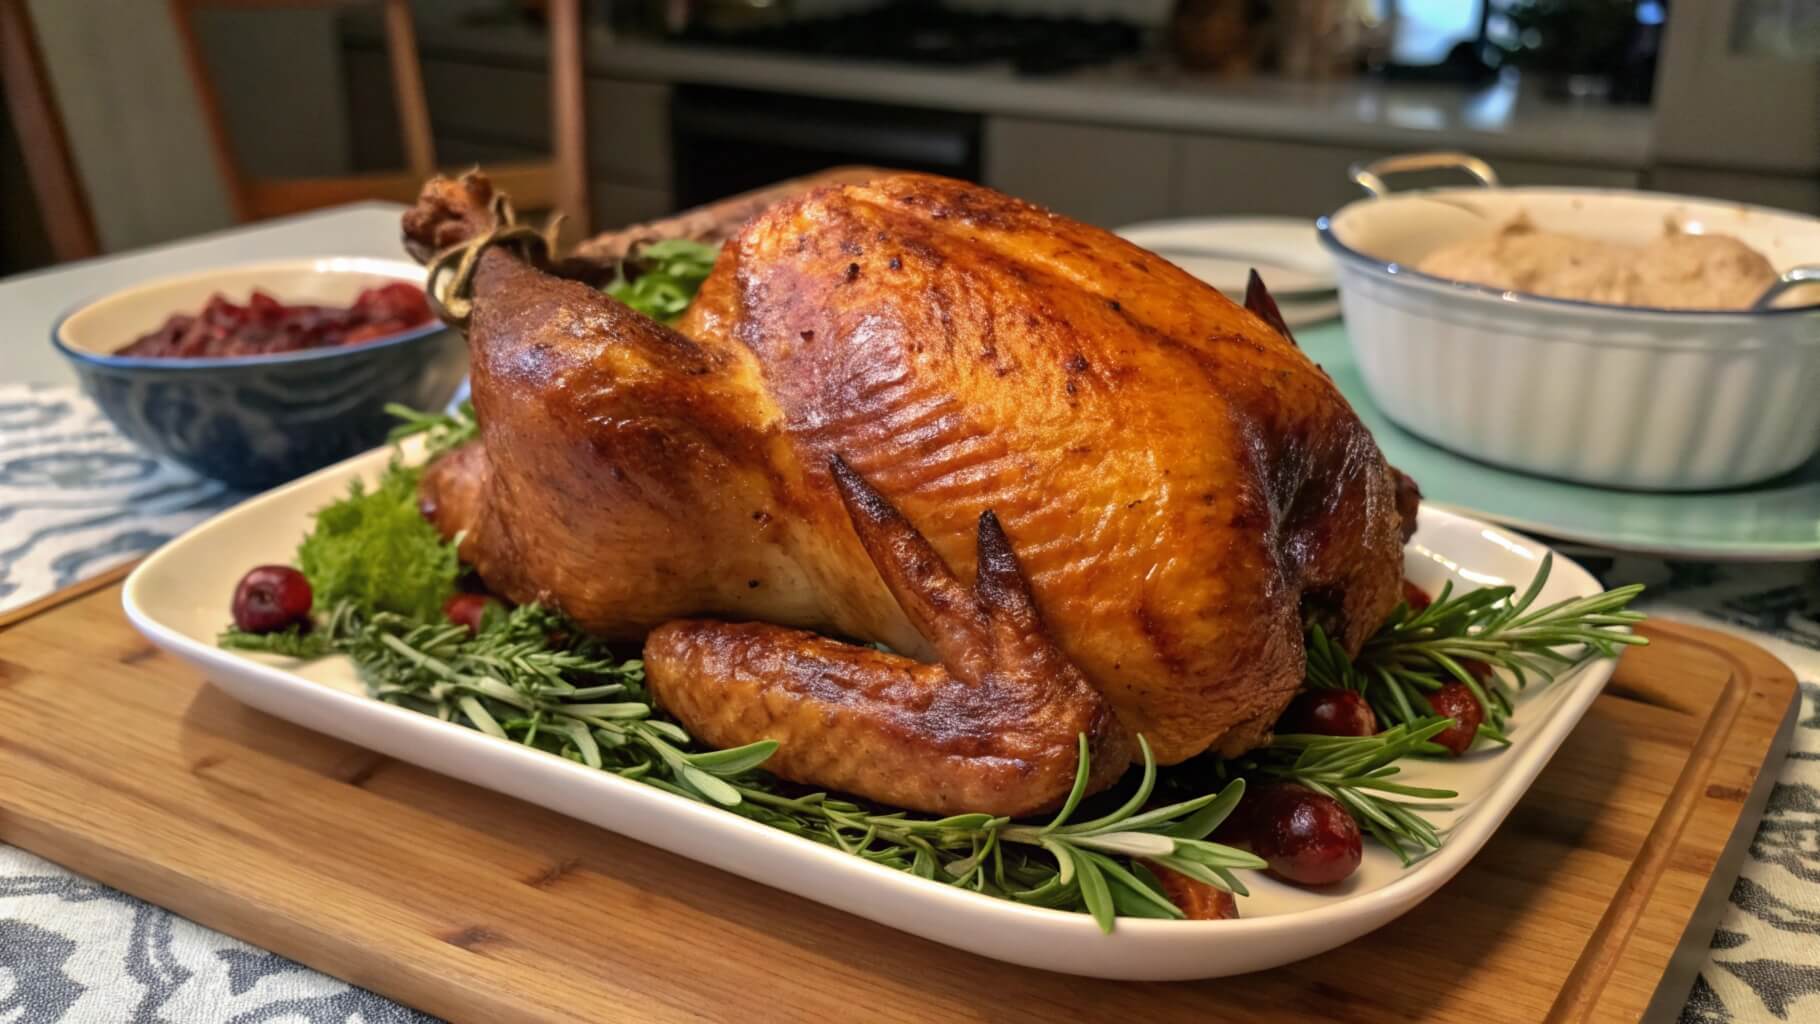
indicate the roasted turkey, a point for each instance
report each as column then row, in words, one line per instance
column 1073, row 490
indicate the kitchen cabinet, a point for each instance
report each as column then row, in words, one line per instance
column 1800, row 193
column 617, row 204
column 1230, row 176
column 482, row 113
column 1099, row 174
column 1113, row 176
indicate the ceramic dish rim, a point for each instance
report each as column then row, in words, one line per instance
column 1395, row 271
column 395, row 269
column 1467, row 838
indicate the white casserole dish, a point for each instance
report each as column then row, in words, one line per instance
column 1612, row 396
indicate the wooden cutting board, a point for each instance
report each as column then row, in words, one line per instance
column 119, row 762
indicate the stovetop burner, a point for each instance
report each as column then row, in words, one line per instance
column 919, row 32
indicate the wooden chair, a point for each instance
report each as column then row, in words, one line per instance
column 560, row 183
column 32, row 107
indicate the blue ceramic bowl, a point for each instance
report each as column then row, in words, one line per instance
column 257, row 421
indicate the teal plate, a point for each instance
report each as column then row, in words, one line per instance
column 1774, row 521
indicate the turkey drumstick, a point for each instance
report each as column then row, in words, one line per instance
column 994, row 728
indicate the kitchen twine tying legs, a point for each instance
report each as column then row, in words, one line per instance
column 450, row 284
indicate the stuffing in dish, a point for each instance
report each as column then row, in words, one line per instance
column 1675, row 271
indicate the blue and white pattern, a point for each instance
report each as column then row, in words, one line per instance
column 73, row 952
column 75, row 498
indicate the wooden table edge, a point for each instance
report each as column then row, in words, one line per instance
column 58, row 598
column 1579, row 999
column 1756, row 663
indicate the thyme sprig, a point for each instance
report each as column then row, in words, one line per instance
column 1417, row 652
column 578, row 701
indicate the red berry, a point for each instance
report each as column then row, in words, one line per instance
column 468, row 610
column 1329, row 713
column 271, row 597
column 1306, row 837
column 1455, row 700
column 1415, row 597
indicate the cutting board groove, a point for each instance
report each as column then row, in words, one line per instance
column 118, row 762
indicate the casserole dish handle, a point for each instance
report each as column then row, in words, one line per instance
column 1795, row 277
column 1370, row 176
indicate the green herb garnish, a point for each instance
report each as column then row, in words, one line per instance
column 442, row 431
column 580, row 702
column 529, row 676
column 663, row 278
column 1358, row 771
column 374, row 550
column 1415, row 653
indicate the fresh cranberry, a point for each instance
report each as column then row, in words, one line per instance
column 1306, row 837
column 1415, row 597
column 1329, row 713
column 270, row 598
column 1455, row 700
column 468, row 610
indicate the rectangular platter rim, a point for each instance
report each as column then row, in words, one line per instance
column 1001, row 929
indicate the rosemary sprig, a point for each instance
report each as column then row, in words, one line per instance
column 579, row 702
column 1358, row 771
column 1416, row 653
column 443, row 431
column 518, row 681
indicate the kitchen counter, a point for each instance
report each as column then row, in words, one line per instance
column 1505, row 119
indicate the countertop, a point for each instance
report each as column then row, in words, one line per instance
column 1504, row 119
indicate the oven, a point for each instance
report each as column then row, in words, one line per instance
column 727, row 141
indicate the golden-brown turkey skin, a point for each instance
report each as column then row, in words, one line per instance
column 1176, row 478
column 1174, row 475
column 994, row 728
column 1197, row 900
column 856, row 719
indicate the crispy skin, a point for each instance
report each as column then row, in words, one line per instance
column 1182, row 485
column 1196, row 899
column 992, row 729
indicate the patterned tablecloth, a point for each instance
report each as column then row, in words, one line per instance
column 76, row 498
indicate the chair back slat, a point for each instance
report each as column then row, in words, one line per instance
column 69, row 224
column 561, row 181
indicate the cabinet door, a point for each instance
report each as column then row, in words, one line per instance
column 628, row 122
column 1104, row 176
column 617, row 205
column 1225, row 176
column 1737, row 91
column 1800, row 193
column 478, row 105
column 629, row 133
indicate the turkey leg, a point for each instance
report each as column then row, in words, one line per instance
column 993, row 728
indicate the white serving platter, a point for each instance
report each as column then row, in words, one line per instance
column 179, row 599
